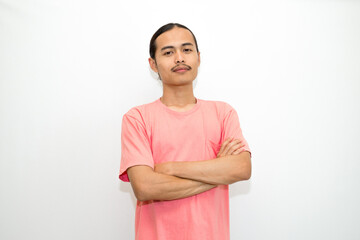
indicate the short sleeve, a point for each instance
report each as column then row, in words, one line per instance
column 135, row 146
column 231, row 127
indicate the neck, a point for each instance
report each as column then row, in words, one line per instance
column 178, row 96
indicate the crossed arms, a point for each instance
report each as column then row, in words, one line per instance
column 175, row 180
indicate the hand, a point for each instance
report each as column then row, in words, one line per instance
column 230, row 146
column 164, row 168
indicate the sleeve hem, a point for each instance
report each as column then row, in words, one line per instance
column 123, row 176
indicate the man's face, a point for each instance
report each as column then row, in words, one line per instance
column 176, row 59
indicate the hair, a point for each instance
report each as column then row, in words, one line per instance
column 165, row 28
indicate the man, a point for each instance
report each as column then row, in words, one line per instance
column 180, row 153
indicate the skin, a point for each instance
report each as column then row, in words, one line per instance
column 158, row 184
column 177, row 62
column 229, row 167
column 176, row 48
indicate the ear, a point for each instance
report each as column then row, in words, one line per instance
column 199, row 58
column 153, row 65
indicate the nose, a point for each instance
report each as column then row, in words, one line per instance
column 179, row 58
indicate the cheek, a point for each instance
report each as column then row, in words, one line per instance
column 164, row 67
column 195, row 64
column 195, row 61
column 162, row 70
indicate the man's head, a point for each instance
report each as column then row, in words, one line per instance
column 174, row 54
column 163, row 29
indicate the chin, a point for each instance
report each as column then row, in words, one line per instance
column 180, row 82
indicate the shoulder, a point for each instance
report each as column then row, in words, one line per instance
column 220, row 106
column 140, row 112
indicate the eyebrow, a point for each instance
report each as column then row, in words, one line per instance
column 184, row 44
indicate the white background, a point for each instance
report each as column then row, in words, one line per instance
column 70, row 69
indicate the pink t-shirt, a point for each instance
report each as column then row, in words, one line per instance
column 153, row 133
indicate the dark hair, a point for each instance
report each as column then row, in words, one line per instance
column 163, row 29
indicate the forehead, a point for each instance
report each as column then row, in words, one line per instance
column 174, row 37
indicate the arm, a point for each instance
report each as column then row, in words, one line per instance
column 222, row 171
column 137, row 162
column 230, row 166
column 150, row 185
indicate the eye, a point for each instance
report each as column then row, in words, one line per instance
column 168, row 53
column 187, row 50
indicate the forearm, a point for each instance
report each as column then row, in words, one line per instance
column 149, row 185
column 223, row 170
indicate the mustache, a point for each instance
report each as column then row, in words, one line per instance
column 179, row 65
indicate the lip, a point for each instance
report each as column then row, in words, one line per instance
column 181, row 69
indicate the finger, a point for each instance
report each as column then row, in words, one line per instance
column 234, row 148
column 237, row 151
column 223, row 145
column 229, row 146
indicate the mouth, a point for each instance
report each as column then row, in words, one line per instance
column 180, row 69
